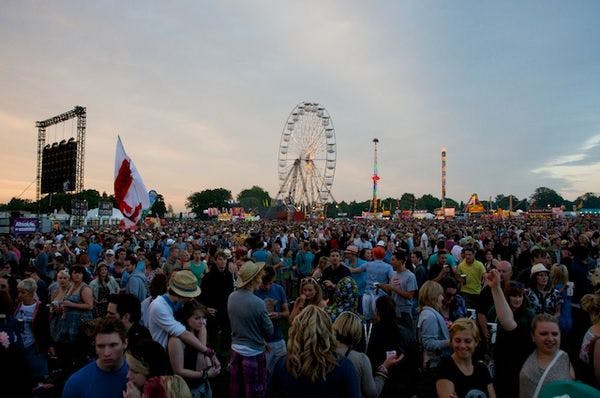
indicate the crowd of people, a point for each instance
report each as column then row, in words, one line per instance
column 323, row 308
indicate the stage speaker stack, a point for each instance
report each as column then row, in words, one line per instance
column 59, row 167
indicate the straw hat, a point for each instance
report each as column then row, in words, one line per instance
column 352, row 250
column 539, row 267
column 248, row 272
column 185, row 284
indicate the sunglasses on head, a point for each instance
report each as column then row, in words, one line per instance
column 309, row 279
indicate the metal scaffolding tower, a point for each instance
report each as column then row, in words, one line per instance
column 80, row 113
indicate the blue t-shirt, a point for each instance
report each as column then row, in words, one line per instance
column 93, row 251
column 260, row 255
column 93, row 382
column 377, row 271
column 275, row 296
column 304, row 262
column 359, row 277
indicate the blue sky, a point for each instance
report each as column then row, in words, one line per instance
column 200, row 91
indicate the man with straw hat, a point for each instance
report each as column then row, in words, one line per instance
column 250, row 327
column 183, row 286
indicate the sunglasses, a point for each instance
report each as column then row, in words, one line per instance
column 309, row 279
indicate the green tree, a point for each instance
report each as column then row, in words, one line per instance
column 388, row 204
column 18, row 204
column 545, row 197
column 200, row 201
column 407, row 201
column 588, row 200
column 254, row 198
column 428, row 202
column 503, row 201
column 452, row 203
column 159, row 207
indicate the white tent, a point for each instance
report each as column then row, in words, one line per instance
column 92, row 217
column 421, row 216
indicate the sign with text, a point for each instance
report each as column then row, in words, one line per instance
column 24, row 226
column 105, row 209
column 79, row 208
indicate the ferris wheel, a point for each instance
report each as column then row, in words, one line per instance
column 306, row 158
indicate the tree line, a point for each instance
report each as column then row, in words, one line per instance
column 258, row 200
column 62, row 201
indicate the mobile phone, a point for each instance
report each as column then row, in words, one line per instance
column 390, row 354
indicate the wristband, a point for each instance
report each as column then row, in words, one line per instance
column 209, row 352
column 382, row 371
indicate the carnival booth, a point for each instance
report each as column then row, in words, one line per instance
column 474, row 206
column 589, row 213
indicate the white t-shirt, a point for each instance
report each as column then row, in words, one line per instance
column 162, row 323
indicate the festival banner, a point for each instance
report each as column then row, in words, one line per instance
column 24, row 226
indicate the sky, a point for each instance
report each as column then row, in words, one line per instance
column 200, row 92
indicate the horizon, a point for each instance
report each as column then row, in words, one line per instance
column 200, row 93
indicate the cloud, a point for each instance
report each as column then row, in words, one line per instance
column 576, row 171
column 591, row 142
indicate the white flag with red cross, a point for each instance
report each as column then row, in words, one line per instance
column 130, row 192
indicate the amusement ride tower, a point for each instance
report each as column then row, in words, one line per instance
column 443, row 177
column 375, row 178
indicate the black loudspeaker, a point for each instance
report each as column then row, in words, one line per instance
column 59, row 167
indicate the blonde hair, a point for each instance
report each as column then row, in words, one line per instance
column 559, row 274
column 429, row 294
column 311, row 345
column 63, row 272
column 591, row 304
column 29, row 285
column 540, row 318
column 323, row 263
column 347, row 328
column 463, row 324
column 319, row 292
column 169, row 386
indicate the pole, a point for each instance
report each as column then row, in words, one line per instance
column 443, row 177
column 375, row 176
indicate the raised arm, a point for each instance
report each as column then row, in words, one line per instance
column 503, row 311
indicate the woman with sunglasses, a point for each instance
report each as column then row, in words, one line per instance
column 310, row 294
column 513, row 336
column 453, row 306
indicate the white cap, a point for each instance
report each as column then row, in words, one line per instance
column 381, row 243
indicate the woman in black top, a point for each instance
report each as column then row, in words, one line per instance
column 458, row 376
column 513, row 338
column 195, row 367
column 388, row 337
